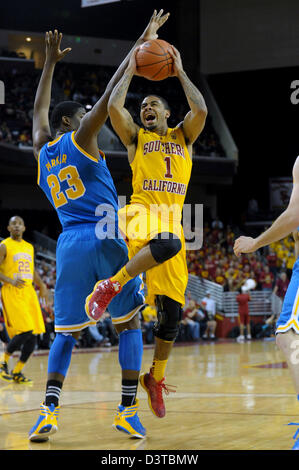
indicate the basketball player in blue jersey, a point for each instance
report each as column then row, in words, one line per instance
column 74, row 176
column 287, row 326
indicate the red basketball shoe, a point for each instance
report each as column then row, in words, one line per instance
column 97, row 302
column 154, row 392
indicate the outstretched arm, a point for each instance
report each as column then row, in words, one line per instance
column 286, row 223
column 94, row 120
column 195, row 119
column 121, row 119
column 41, row 132
column 296, row 240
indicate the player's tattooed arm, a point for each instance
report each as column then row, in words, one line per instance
column 195, row 119
column 41, row 132
column 121, row 119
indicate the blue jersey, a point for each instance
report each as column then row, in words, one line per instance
column 79, row 186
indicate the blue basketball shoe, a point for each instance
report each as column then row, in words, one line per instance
column 46, row 423
column 296, row 445
column 127, row 420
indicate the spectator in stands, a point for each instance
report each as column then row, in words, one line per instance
column 219, row 277
column 244, row 319
column 272, row 261
column 217, row 224
column 232, row 278
column 279, row 292
column 266, row 279
column 45, row 340
column 209, row 307
column 191, row 318
column 83, row 83
column 269, row 327
column 253, row 207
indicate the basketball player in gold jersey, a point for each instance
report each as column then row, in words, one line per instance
column 161, row 162
column 21, row 309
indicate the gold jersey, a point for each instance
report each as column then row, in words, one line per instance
column 19, row 260
column 161, row 169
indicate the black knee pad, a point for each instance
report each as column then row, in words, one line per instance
column 169, row 318
column 17, row 341
column 28, row 348
column 164, row 246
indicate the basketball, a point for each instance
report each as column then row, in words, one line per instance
column 154, row 61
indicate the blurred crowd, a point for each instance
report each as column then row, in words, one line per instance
column 216, row 262
column 86, row 84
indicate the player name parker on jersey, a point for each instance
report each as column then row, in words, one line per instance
column 162, row 186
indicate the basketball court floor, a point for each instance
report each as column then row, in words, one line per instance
column 229, row 396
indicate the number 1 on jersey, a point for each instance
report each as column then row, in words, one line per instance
column 168, row 167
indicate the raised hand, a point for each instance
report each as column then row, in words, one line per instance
column 156, row 21
column 244, row 245
column 53, row 52
column 177, row 61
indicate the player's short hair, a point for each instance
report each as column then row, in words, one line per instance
column 65, row 108
column 16, row 217
column 163, row 100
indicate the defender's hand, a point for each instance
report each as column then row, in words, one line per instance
column 53, row 52
column 156, row 21
column 244, row 245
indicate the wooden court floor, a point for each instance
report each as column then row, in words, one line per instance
column 229, row 396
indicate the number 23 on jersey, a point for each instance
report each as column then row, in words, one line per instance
column 75, row 188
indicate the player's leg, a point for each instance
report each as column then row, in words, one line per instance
column 15, row 344
column 130, row 358
column 166, row 284
column 163, row 247
column 124, row 312
column 71, row 284
column 58, row 364
column 4, row 373
column 287, row 333
column 165, row 331
column 288, row 343
column 27, row 349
